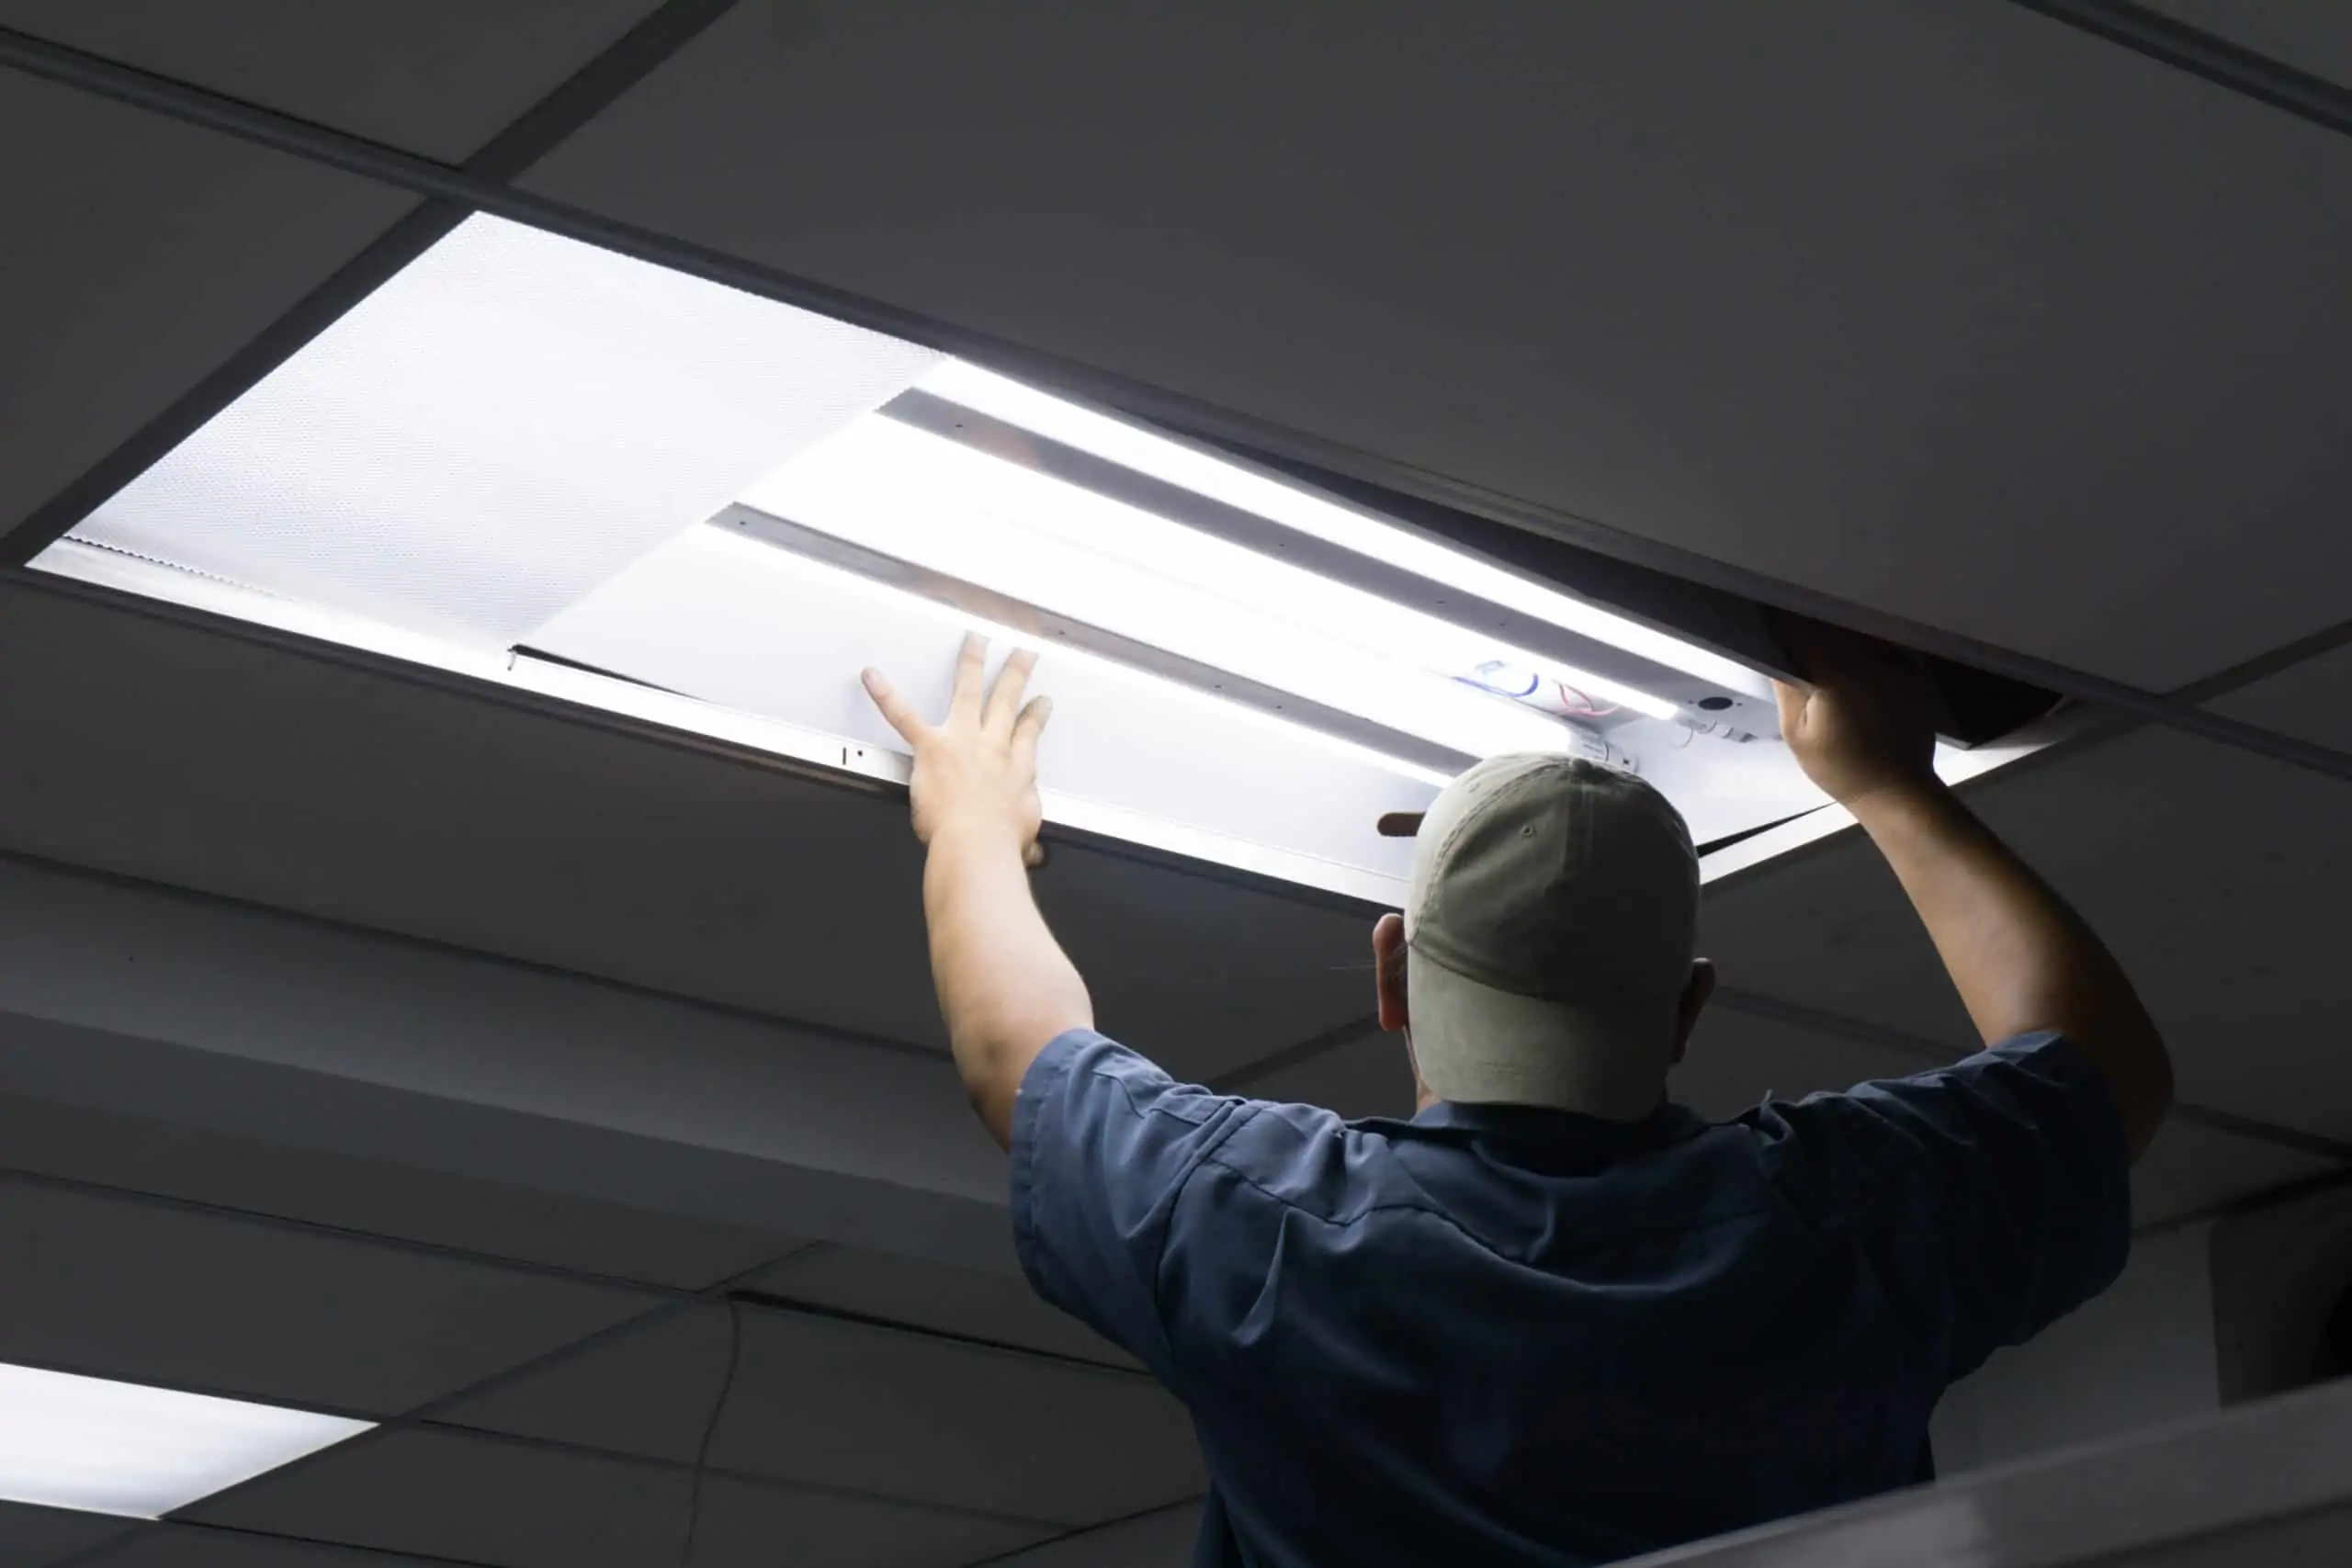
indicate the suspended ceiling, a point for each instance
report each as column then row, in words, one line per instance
column 1954, row 314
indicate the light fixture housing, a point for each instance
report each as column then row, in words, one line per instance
column 551, row 466
column 128, row 1449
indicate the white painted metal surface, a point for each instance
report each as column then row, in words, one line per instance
column 2239, row 1476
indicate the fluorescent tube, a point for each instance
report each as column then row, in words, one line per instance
column 123, row 1447
column 936, row 503
column 1177, row 464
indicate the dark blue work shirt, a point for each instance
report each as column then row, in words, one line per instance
column 1511, row 1336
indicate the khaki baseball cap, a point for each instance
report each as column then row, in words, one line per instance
column 1550, row 926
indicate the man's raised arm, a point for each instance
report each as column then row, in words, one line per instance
column 1006, row 989
column 2021, row 959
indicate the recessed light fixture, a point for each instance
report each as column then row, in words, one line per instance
column 552, row 467
column 122, row 1447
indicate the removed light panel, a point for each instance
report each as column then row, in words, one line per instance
column 120, row 1447
column 916, row 497
column 1177, row 464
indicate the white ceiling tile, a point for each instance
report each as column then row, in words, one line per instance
column 145, row 253
column 1159, row 1540
column 450, row 1496
column 237, row 769
column 2313, row 701
column 1366, row 1075
column 129, row 1291
column 186, row 1546
column 1990, row 309
column 890, row 1412
column 999, row 1308
column 2192, row 1167
column 34, row 1538
column 1736, row 1059
column 375, row 1197
column 2315, row 36
column 2211, row 873
column 1201, row 975
column 439, row 77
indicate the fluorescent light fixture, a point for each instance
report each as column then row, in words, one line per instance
column 1292, row 507
column 122, row 1447
column 551, row 469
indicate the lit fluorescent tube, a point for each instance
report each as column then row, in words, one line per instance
column 1177, row 464
column 126, row 1449
column 951, row 509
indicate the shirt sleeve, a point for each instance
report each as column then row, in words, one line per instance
column 1102, row 1144
column 1997, row 1191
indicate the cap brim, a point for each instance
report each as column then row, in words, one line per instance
column 1400, row 824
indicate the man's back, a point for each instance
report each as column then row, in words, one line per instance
column 1515, row 1334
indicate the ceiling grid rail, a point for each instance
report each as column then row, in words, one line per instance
column 484, row 185
column 2204, row 55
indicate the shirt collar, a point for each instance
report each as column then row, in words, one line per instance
column 1542, row 1124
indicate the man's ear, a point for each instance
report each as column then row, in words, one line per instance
column 1695, row 992
column 1388, row 971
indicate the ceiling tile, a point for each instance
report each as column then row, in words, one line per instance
column 299, row 783
column 34, row 1538
column 2310, row 35
column 1366, row 1075
column 1203, row 974
column 124, row 1290
column 2192, row 1167
column 999, row 1308
column 186, row 1546
column 375, row 1197
column 2211, row 873
column 143, row 253
column 880, row 1411
column 1988, row 309
column 2313, row 701
column 1159, row 1540
column 480, row 1500
column 439, row 77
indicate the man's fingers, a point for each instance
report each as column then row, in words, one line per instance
column 895, row 708
column 1034, row 857
column 1011, row 685
column 971, row 673
column 1027, row 728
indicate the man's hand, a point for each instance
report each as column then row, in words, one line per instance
column 1006, row 989
column 1861, row 729
column 976, row 772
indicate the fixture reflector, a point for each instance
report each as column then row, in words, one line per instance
column 122, row 1447
column 504, row 425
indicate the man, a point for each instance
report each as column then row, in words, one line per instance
column 1553, row 1318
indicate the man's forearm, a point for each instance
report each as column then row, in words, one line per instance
column 1005, row 987
column 2020, row 958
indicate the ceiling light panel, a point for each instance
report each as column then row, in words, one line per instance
column 127, row 1449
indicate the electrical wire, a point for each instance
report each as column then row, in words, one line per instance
column 710, row 1429
column 1580, row 705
